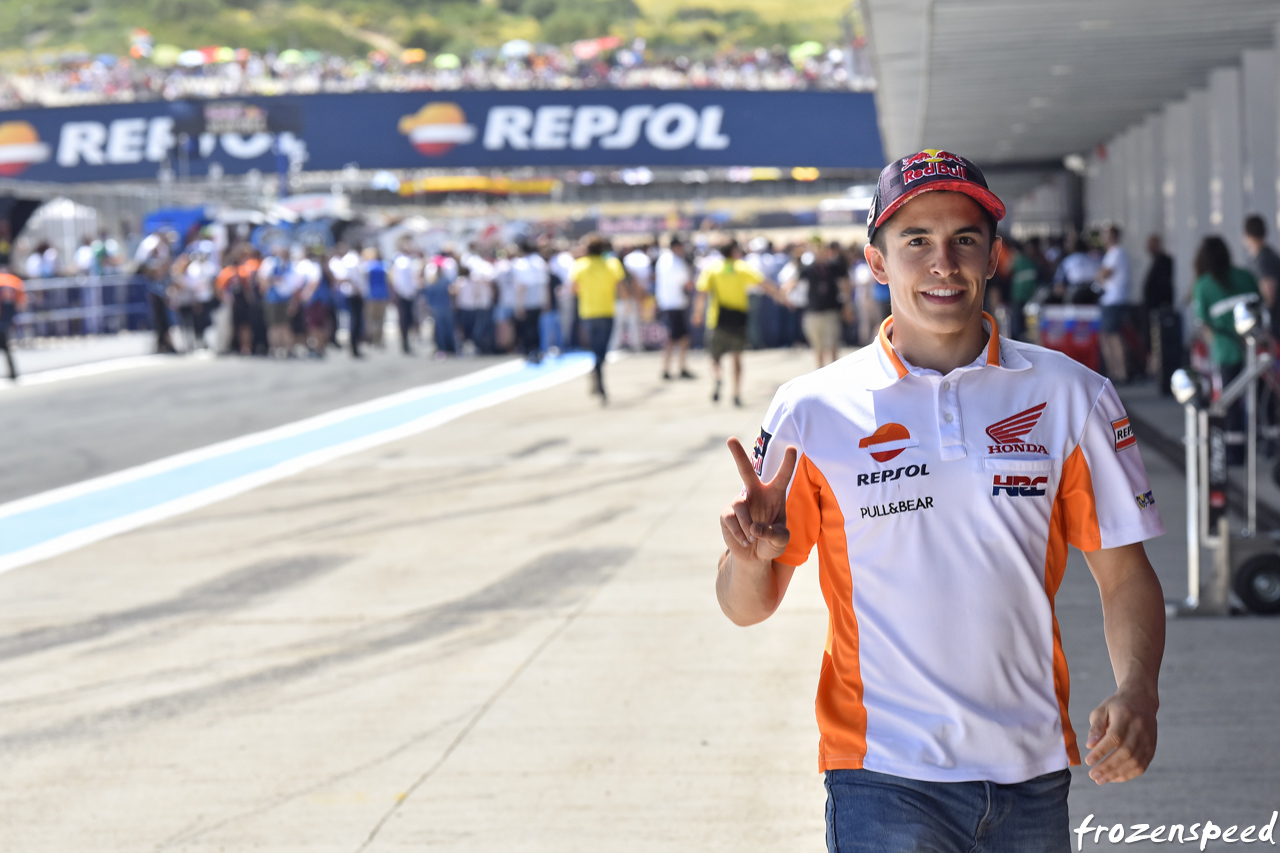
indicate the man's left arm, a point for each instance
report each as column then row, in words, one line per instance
column 1122, row 730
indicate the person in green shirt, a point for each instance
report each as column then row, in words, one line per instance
column 594, row 278
column 1024, row 280
column 1218, row 288
column 725, row 283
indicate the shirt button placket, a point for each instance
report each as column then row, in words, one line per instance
column 952, row 427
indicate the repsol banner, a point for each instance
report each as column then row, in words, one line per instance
column 406, row 130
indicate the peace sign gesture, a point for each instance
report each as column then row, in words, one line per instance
column 754, row 524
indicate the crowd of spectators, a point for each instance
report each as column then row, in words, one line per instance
column 486, row 298
column 219, row 73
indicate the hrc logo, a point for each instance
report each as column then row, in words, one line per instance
column 1017, row 486
column 1145, row 500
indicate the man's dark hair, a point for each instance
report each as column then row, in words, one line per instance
column 675, row 241
column 597, row 245
column 1255, row 226
column 878, row 239
column 1114, row 231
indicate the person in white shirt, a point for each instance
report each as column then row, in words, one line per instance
column 473, row 293
column 86, row 271
column 201, row 273
column 406, row 281
column 347, row 271
column 673, row 282
column 1114, row 278
column 639, row 265
column 504, row 310
column 532, row 282
column 1077, row 271
column 34, row 266
column 941, row 473
column 626, row 312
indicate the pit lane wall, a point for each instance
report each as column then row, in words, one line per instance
column 415, row 130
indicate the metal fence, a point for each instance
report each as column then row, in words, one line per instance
column 83, row 305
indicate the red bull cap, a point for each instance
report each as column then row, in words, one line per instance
column 931, row 169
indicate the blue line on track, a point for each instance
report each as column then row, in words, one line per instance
column 41, row 524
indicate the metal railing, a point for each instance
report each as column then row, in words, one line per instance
column 83, row 305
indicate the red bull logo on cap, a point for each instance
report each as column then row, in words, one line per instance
column 932, row 162
column 931, row 155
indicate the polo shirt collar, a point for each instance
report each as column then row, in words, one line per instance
column 998, row 352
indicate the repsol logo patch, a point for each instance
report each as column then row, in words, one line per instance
column 897, row 507
column 1018, row 486
column 893, row 474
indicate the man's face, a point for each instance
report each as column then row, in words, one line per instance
column 936, row 260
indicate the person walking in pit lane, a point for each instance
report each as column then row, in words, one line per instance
column 13, row 295
column 725, row 283
column 830, row 301
column 673, row 283
column 347, row 272
column 532, row 283
column 942, row 472
column 406, row 281
column 375, row 303
column 595, row 279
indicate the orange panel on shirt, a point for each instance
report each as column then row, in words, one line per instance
column 1074, row 521
column 814, row 517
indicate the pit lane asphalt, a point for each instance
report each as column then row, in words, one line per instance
column 501, row 634
column 66, row 432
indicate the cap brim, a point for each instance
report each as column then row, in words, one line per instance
column 980, row 194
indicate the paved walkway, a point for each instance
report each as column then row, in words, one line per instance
column 502, row 634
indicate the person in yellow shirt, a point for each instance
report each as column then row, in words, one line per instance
column 725, row 283
column 594, row 279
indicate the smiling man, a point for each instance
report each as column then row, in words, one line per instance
column 942, row 473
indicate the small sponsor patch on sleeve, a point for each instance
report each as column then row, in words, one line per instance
column 758, row 452
column 1145, row 500
column 1124, row 434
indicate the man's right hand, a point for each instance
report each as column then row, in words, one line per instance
column 754, row 524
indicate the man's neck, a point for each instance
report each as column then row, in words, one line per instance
column 943, row 353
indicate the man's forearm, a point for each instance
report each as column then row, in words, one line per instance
column 747, row 589
column 1134, row 622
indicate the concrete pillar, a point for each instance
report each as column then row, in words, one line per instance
column 1179, row 215
column 1097, row 199
column 1259, row 86
column 1147, row 212
column 1198, row 105
column 1226, row 182
column 1118, row 154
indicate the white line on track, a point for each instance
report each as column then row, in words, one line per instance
column 98, row 368
column 87, row 512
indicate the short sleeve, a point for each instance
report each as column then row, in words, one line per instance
column 803, row 494
column 754, row 274
column 1106, row 498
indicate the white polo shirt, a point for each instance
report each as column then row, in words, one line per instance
column 942, row 508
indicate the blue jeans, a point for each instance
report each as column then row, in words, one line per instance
column 599, row 330
column 870, row 812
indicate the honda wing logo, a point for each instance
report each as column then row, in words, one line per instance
column 1010, row 434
